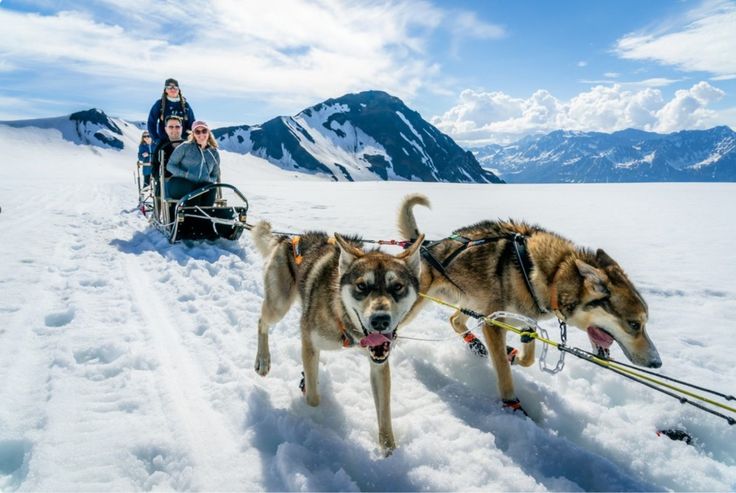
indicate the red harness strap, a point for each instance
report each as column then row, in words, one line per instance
column 297, row 251
column 346, row 340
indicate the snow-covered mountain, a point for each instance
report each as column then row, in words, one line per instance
column 89, row 127
column 626, row 156
column 365, row 136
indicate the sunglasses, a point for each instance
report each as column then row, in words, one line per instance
column 146, row 136
column 202, row 132
column 172, row 87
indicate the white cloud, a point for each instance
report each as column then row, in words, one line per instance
column 485, row 117
column 467, row 24
column 651, row 82
column 612, row 75
column 582, row 63
column 703, row 40
column 688, row 109
column 278, row 50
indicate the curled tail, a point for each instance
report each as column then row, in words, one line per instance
column 408, row 228
column 264, row 240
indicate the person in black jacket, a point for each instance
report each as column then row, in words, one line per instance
column 163, row 152
column 172, row 103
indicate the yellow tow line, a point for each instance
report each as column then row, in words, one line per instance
column 589, row 357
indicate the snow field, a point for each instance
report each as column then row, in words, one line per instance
column 127, row 363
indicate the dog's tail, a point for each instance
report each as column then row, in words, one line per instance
column 264, row 240
column 408, row 228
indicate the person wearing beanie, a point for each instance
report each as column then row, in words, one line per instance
column 172, row 103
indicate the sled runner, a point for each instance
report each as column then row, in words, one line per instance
column 145, row 192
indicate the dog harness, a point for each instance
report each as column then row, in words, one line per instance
column 521, row 259
column 296, row 240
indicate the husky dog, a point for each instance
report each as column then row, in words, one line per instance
column 586, row 289
column 349, row 297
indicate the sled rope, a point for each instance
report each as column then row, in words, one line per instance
column 289, row 234
column 638, row 375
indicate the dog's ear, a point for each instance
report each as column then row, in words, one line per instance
column 594, row 280
column 604, row 260
column 348, row 252
column 412, row 255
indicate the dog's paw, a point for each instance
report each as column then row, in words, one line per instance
column 514, row 405
column 263, row 365
column 511, row 354
column 388, row 445
column 312, row 399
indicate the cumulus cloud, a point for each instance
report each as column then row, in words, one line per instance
column 688, row 109
column 703, row 40
column 486, row 117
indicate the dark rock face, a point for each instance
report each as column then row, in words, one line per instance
column 94, row 125
column 364, row 136
column 626, row 156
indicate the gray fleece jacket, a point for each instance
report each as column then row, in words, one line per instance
column 195, row 164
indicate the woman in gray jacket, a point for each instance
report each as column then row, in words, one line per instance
column 194, row 164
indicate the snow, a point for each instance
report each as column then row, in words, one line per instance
column 331, row 149
column 127, row 363
column 411, row 127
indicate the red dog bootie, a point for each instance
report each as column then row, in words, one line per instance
column 475, row 346
column 514, row 405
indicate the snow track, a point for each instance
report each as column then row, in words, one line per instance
column 211, row 443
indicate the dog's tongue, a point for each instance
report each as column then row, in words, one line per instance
column 374, row 339
column 599, row 338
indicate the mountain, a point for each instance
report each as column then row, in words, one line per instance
column 365, row 136
column 626, row 156
column 89, row 127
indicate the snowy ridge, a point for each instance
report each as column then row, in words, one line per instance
column 626, row 156
column 127, row 363
column 358, row 137
column 346, row 145
column 92, row 127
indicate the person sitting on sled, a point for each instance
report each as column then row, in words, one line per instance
column 172, row 103
column 194, row 164
column 162, row 153
column 144, row 157
column 163, row 150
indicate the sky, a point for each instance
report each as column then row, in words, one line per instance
column 481, row 71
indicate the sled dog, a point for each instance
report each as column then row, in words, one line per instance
column 349, row 297
column 587, row 289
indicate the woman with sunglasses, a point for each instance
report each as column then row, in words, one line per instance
column 144, row 157
column 194, row 164
column 172, row 103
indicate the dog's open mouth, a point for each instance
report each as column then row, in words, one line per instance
column 601, row 340
column 379, row 346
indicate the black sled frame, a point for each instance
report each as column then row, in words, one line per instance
column 198, row 222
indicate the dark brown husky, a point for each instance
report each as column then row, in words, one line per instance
column 349, row 297
column 588, row 290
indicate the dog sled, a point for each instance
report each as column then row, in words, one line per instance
column 184, row 219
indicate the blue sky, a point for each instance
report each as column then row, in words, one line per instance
column 482, row 71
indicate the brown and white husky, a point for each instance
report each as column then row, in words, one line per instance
column 349, row 297
column 587, row 289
